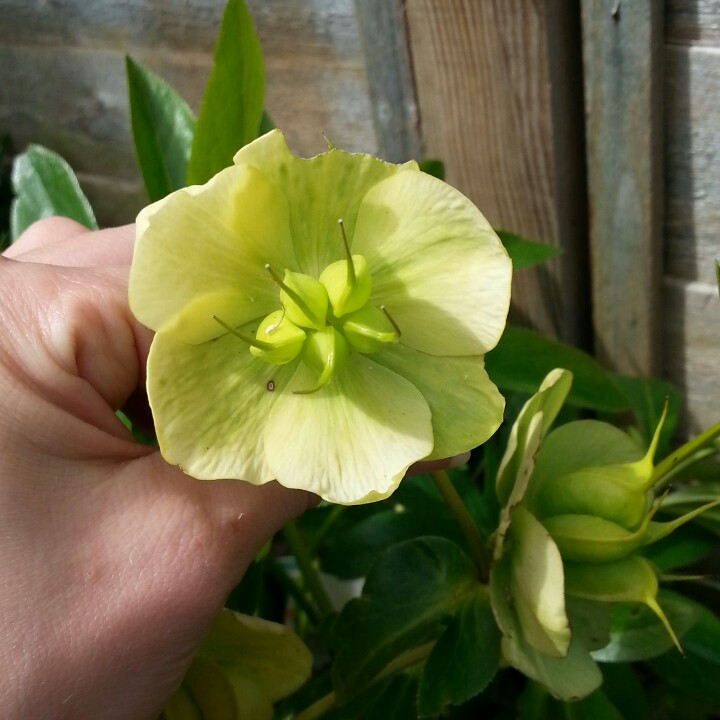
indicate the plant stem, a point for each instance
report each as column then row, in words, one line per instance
column 332, row 517
column 298, row 547
column 295, row 591
column 401, row 662
column 467, row 525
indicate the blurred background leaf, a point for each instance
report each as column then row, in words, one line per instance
column 232, row 109
column 45, row 185
column 162, row 127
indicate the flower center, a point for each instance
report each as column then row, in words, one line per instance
column 322, row 320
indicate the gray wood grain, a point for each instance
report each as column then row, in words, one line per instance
column 692, row 171
column 692, row 22
column 390, row 78
column 62, row 77
column 691, row 339
column 624, row 147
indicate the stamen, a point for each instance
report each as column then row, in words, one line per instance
column 352, row 279
column 392, row 322
column 259, row 344
column 330, row 145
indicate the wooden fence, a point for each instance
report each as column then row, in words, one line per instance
column 592, row 126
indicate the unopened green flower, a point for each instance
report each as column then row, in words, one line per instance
column 321, row 322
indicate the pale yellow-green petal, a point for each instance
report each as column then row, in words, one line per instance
column 351, row 441
column 258, row 651
column 436, row 265
column 210, row 403
column 466, row 406
column 320, row 191
column 214, row 238
column 567, row 678
column 537, row 583
column 520, row 452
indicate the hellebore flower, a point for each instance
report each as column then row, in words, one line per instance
column 320, row 322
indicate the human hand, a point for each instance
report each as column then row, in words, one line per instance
column 113, row 562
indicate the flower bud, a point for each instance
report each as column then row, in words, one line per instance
column 620, row 492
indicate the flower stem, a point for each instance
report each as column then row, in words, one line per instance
column 401, row 662
column 469, row 529
column 295, row 591
column 298, row 547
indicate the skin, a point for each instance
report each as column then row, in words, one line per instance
column 113, row 562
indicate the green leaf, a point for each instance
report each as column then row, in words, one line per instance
column 526, row 253
column 637, row 634
column 390, row 698
column 436, row 168
column 647, row 397
column 593, row 707
column 409, row 596
column 232, row 108
column 625, row 690
column 687, row 545
column 266, row 124
column 523, row 358
column 162, row 126
column 685, row 453
column 536, row 704
column 464, row 659
column 352, row 553
column 697, row 673
column 45, row 185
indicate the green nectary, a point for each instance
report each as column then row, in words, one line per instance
column 321, row 320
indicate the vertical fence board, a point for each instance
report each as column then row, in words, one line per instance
column 389, row 75
column 622, row 44
column 486, row 97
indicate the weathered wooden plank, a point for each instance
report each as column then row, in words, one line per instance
column 485, row 94
column 72, row 98
column 691, row 341
column 692, row 22
column 390, row 80
column 622, row 42
column 325, row 27
column 692, row 173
